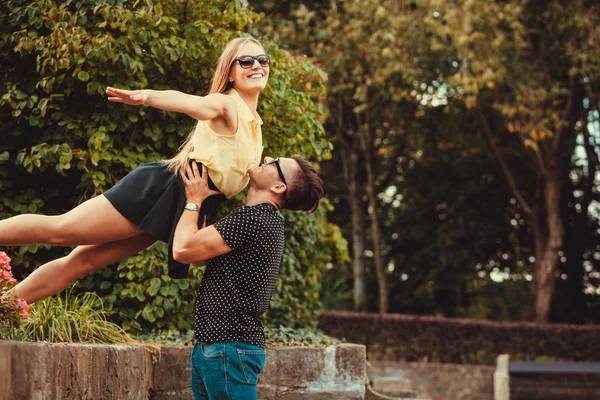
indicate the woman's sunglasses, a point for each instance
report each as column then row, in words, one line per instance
column 248, row 61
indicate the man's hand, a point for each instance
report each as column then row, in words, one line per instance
column 196, row 185
column 191, row 245
column 131, row 97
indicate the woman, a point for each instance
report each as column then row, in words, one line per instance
column 145, row 205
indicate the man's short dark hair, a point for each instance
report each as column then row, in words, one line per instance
column 305, row 188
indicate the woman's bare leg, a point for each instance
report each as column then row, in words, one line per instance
column 56, row 275
column 92, row 222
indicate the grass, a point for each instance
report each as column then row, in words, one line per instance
column 70, row 318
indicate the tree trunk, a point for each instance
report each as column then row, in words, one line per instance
column 376, row 234
column 555, row 158
column 569, row 305
column 548, row 239
column 350, row 159
column 358, row 230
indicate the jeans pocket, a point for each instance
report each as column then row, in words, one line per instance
column 253, row 362
column 192, row 357
column 212, row 350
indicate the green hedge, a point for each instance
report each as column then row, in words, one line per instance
column 463, row 341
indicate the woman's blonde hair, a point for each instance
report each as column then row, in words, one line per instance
column 220, row 84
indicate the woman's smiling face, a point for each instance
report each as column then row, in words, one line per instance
column 249, row 79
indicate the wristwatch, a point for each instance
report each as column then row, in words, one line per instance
column 191, row 206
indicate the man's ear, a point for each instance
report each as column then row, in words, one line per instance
column 279, row 188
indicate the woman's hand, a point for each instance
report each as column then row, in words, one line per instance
column 196, row 185
column 131, row 97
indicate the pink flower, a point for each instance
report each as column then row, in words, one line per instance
column 24, row 308
column 11, row 308
column 4, row 259
column 6, row 275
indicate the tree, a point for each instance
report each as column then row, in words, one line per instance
column 364, row 46
column 524, row 74
column 524, row 69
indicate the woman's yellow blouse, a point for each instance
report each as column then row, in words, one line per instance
column 229, row 157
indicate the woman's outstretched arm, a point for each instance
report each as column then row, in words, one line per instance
column 203, row 108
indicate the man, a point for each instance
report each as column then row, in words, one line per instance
column 243, row 253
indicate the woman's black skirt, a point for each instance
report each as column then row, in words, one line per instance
column 152, row 197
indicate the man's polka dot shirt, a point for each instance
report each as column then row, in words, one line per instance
column 237, row 287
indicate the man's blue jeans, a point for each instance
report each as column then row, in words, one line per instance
column 226, row 370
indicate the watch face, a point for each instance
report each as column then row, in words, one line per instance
column 191, row 207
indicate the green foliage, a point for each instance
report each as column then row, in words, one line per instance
column 499, row 301
column 290, row 107
column 296, row 300
column 446, row 89
column 139, row 293
column 379, row 101
column 63, row 143
column 460, row 232
column 168, row 336
column 284, row 336
column 336, row 289
column 280, row 336
column 72, row 318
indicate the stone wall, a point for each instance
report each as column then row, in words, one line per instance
column 32, row 371
column 432, row 380
column 41, row 371
column 333, row 372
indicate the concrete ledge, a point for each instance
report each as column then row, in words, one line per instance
column 297, row 373
column 66, row 371
column 426, row 380
column 501, row 378
column 82, row 371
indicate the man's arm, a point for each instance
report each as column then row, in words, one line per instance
column 193, row 246
column 190, row 244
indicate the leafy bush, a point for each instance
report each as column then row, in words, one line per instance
column 311, row 244
column 69, row 318
column 139, row 294
column 280, row 336
column 168, row 336
column 283, row 336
